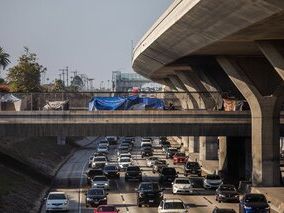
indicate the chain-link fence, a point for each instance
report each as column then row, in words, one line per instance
column 80, row 100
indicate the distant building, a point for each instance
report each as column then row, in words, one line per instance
column 124, row 82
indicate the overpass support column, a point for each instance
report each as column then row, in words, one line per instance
column 222, row 153
column 208, row 149
column 265, row 111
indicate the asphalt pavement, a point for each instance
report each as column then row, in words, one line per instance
column 71, row 179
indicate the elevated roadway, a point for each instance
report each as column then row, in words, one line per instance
column 121, row 123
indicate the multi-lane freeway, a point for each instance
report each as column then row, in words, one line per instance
column 71, row 179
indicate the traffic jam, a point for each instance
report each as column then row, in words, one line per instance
column 160, row 176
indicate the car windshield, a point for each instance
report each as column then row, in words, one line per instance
column 100, row 178
column 180, row 154
column 192, row 165
column 227, row 188
column 173, row 205
column 133, row 168
column 213, row 177
column 95, row 172
column 99, row 159
column 95, row 192
column 182, row 181
column 169, row 171
column 255, row 198
column 125, row 156
column 124, row 160
column 172, row 150
column 106, row 209
column 161, row 162
column 110, row 168
column 149, row 187
column 56, row 197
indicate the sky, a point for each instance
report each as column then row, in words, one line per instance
column 90, row 36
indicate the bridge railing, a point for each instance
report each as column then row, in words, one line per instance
column 80, row 100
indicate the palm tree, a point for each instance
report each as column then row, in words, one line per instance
column 4, row 58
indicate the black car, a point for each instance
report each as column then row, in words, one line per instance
column 254, row 203
column 133, row 173
column 159, row 165
column 96, row 197
column 165, row 144
column 218, row 210
column 146, row 151
column 192, row 168
column 149, row 193
column 112, row 140
column 227, row 193
column 111, row 171
column 168, row 175
column 91, row 173
column 170, row 152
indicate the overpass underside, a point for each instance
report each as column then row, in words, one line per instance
column 236, row 47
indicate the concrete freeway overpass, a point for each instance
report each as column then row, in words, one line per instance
column 132, row 123
column 233, row 46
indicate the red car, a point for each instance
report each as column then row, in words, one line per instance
column 106, row 209
column 179, row 158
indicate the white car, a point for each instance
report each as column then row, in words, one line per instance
column 151, row 160
column 172, row 205
column 57, row 201
column 100, row 181
column 145, row 142
column 99, row 162
column 102, row 149
column 212, row 181
column 124, row 155
column 182, row 186
column 124, row 162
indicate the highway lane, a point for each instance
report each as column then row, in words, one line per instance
column 71, row 179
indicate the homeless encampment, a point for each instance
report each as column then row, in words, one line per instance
column 125, row 103
column 9, row 102
column 57, row 105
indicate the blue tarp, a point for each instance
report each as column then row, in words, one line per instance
column 125, row 103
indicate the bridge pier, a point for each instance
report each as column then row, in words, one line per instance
column 265, row 102
column 208, row 148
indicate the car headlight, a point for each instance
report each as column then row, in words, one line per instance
column 89, row 199
column 222, row 195
column 247, row 207
column 95, row 184
column 106, row 184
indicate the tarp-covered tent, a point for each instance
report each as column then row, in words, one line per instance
column 9, row 102
column 125, row 103
column 57, row 105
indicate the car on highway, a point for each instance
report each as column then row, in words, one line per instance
column 57, row 201
column 126, row 144
column 143, row 142
column 212, row 181
column 124, row 162
column 91, row 173
column 223, row 210
column 253, row 202
column 111, row 171
column 167, row 175
column 133, row 173
column 103, row 143
column 100, row 182
column 123, row 149
column 192, row 168
column 103, row 149
column 162, row 139
column 151, row 160
column 106, row 209
column 227, row 193
column 149, row 193
column 91, row 158
column 147, row 145
column 112, row 140
column 170, row 152
column 165, row 145
column 95, row 197
column 182, row 186
column 159, row 165
column 124, row 155
column 172, row 205
column 179, row 157
column 146, row 151
column 99, row 162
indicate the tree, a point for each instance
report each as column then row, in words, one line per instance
column 76, row 84
column 4, row 58
column 58, row 86
column 25, row 76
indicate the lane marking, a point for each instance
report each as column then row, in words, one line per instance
column 205, row 198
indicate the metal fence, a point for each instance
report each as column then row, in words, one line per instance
column 80, row 100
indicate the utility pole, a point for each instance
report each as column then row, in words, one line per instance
column 67, row 72
column 75, row 73
column 63, row 75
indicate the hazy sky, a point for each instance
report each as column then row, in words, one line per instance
column 91, row 36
